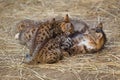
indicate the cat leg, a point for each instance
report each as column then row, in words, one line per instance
column 36, row 52
column 53, row 56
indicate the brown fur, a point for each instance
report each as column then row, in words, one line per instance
column 67, row 26
column 91, row 41
column 51, row 52
column 36, row 35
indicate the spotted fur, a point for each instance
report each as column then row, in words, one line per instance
column 36, row 35
column 91, row 41
column 52, row 51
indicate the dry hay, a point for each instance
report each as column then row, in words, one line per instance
column 104, row 65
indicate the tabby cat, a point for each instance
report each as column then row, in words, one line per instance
column 91, row 41
column 36, row 35
column 52, row 51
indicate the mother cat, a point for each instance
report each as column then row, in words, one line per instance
column 92, row 40
column 42, row 39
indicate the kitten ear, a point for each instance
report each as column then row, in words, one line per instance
column 21, row 27
column 99, row 35
column 100, row 25
column 66, row 18
column 52, row 20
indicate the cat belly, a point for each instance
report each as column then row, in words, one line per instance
column 86, row 43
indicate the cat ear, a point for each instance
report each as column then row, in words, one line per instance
column 66, row 18
column 100, row 25
column 99, row 35
column 21, row 27
column 52, row 20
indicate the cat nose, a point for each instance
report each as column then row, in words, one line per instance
column 17, row 36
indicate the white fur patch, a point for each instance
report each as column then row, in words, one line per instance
column 86, row 43
column 17, row 36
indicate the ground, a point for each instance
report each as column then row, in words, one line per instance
column 104, row 65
